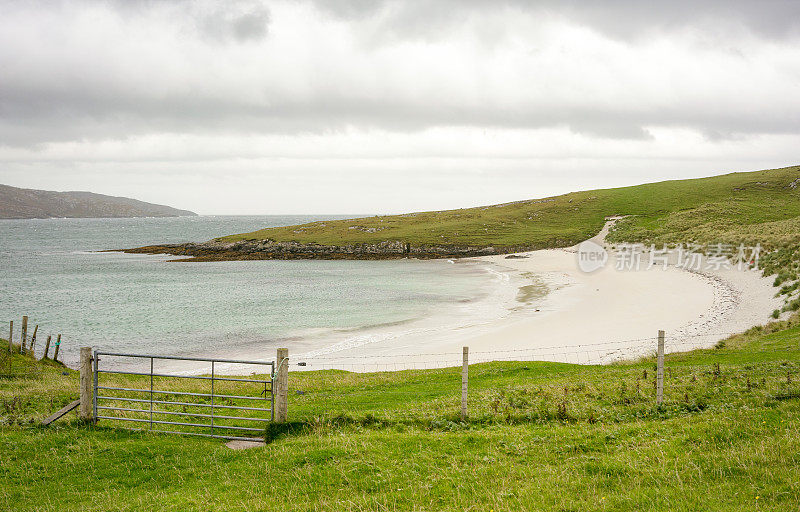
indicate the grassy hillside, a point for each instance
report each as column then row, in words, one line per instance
column 666, row 211
column 542, row 436
column 761, row 207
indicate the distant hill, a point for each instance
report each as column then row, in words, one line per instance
column 23, row 203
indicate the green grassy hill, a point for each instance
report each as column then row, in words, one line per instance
column 761, row 207
column 762, row 204
column 541, row 436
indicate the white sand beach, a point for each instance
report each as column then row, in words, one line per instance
column 543, row 307
column 583, row 317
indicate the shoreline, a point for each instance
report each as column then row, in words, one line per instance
column 444, row 322
column 248, row 250
column 544, row 307
column 583, row 318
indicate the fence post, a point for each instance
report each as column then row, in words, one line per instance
column 47, row 346
column 464, row 381
column 24, row 338
column 95, row 360
column 87, row 379
column 58, row 344
column 10, row 337
column 32, row 346
column 281, row 404
column 660, row 370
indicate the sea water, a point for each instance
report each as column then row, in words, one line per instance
column 53, row 271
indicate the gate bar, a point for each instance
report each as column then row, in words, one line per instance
column 180, row 358
column 197, row 414
column 182, row 403
column 212, row 397
column 95, row 360
column 181, row 393
column 151, row 393
column 196, row 377
column 161, row 422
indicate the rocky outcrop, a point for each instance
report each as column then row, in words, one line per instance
column 216, row 250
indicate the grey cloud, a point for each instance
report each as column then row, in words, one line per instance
column 607, row 127
column 625, row 19
column 28, row 118
column 251, row 26
column 628, row 18
column 349, row 9
column 226, row 21
column 240, row 21
column 34, row 111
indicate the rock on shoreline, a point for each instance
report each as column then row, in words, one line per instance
column 216, row 250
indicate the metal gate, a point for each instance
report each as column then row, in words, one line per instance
column 208, row 405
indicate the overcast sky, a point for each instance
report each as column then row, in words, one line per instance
column 369, row 106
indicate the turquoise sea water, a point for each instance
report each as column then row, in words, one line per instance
column 50, row 271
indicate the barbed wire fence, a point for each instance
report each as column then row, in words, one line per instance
column 28, row 343
column 587, row 381
column 603, row 380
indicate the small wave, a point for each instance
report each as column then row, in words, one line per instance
column 446, row 321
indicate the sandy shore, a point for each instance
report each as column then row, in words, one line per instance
column 583, row 317
column 543, row 307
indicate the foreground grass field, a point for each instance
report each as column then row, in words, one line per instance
column 541, row 436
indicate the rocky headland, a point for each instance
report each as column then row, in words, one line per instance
column 216, row 250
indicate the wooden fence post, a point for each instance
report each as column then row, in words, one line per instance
column 86, row 410
column 660, row 369
column 47, row 346
column 464, row 381
column 24, row 338
column 281, row 404
column 55, row 351
column 32, row 346
column 10, row 337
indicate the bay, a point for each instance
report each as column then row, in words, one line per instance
column 52, row 271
